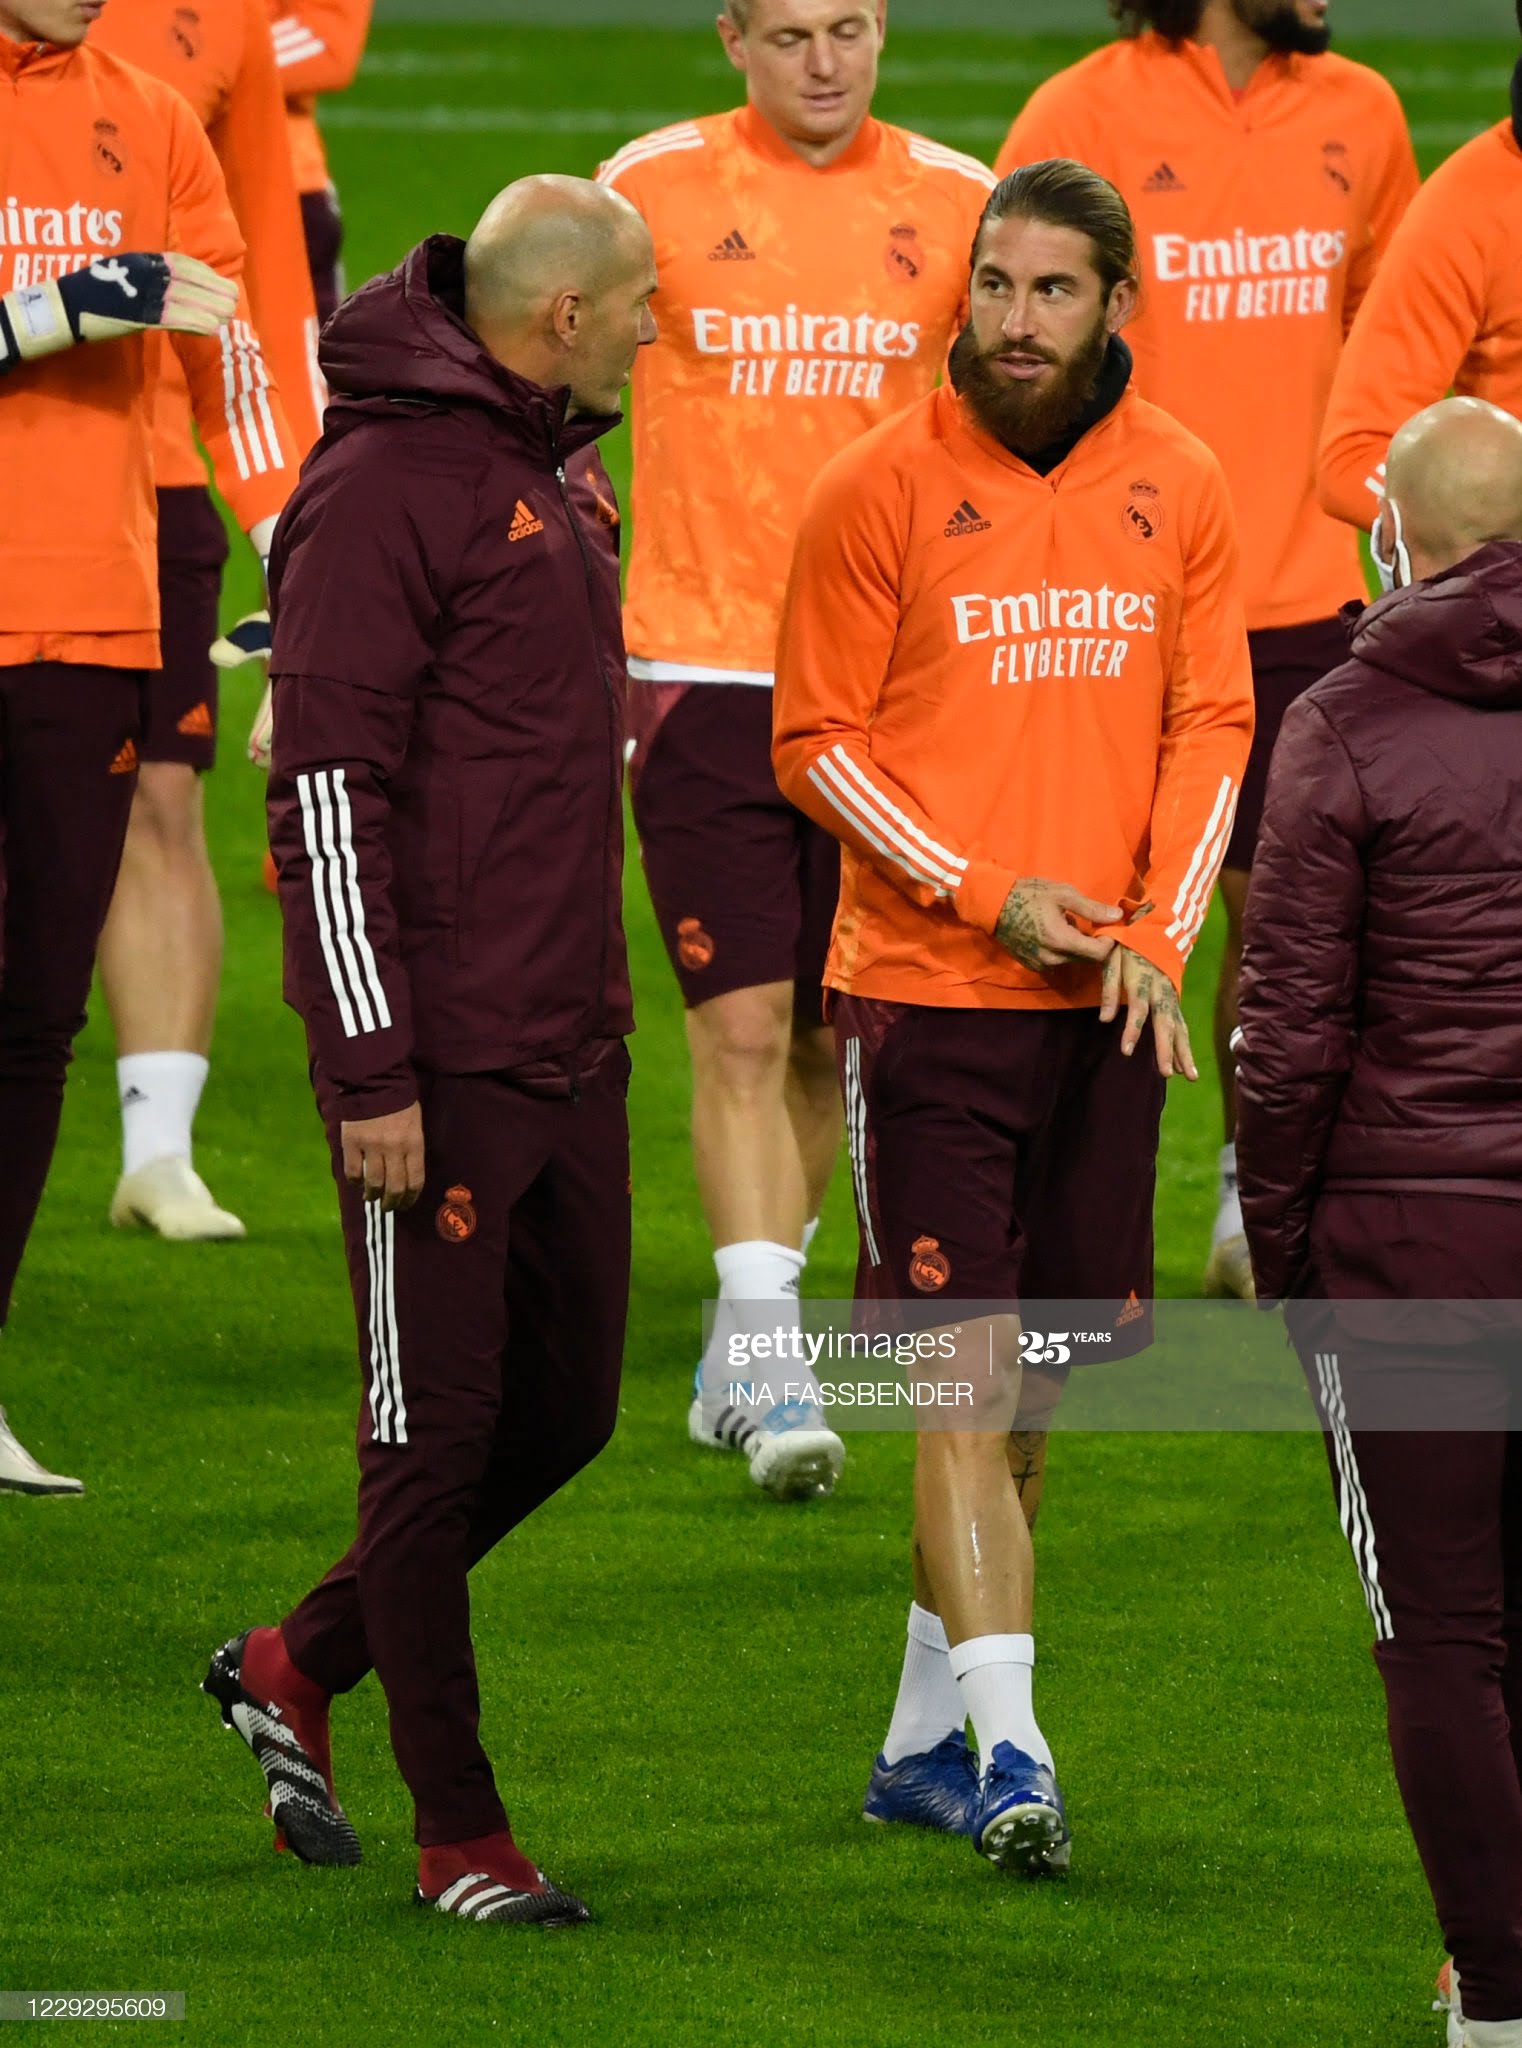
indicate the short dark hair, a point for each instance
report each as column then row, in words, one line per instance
column 1176, row 20
column 1064, row 194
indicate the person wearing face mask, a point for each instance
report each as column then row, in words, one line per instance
column 1380, row 1146
column 1267, row 173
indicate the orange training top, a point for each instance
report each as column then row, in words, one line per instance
column 318, row 45
column 95, row 157
column 797, row 307
column 1445, row 313
column 984, row 674
column 220, row 57
column 1260, row 219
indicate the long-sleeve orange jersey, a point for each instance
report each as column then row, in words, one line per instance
column 1444, row 314
column 96, row 156
column 1260, row 220
column 318, row 45
column 797, row 307
column 219, row 56
column 984, row 674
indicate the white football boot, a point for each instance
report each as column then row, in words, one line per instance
column 791, row 1457
column 170, row 1197
column 20, row 1471
column 1228, row 1273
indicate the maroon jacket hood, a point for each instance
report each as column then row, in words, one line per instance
column 1457, row 634
column 402, row 339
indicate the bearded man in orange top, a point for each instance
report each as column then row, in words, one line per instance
column 1266, row 175
column 1012, row 680
column 813, row 267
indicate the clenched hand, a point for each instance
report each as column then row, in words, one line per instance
column 1036, row 925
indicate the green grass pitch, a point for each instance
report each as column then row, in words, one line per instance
column 683, row 1684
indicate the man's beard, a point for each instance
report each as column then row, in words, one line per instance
column 1281, row 27
column 1027, row 417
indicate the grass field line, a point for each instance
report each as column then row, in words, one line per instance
column 625, row 122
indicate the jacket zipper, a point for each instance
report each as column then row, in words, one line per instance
column 612, row 710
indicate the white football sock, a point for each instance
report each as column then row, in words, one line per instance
column 160, row 1093
column 929, row 1705
column 810, row 1232
column 758, row 1296
column 994, row 1676
column 1493, row 2033
column 1228, row 1219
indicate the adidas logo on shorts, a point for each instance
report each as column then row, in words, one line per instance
column 733, row 249
column 965, row 520
column 1164, row 179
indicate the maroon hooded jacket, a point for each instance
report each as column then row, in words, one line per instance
column 445, row 801
column 1382, row 967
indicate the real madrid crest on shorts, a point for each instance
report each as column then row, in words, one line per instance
column 456, row 1219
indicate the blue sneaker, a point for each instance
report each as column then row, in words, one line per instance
column 1019, row 1821
column 938, row 1788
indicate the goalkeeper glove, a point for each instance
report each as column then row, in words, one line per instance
column 114, row 295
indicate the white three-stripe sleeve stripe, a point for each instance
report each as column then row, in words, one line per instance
column 1215, row 854
column 647, row 147
column 843, row 786
column 328, row 828
column 388, row 1408
column 1357, row 1522
column 856, row 1144
column 230, row 405
column 1200, row 873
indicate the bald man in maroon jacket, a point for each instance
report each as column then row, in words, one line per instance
column 1379, row 1146
column 446, row 814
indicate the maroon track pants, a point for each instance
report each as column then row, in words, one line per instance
column 491, row 1324
column 1433, row 1516
column 67, row 772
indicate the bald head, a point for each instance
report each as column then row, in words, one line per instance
column 559, row 274
column 1455, row 472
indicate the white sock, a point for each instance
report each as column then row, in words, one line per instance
column 1493, row 2033
column 1228, row 1218
column 929, row 1704
column 160, row 1093
column 758, row 1296
column 810, row 1232
column 993, row 1674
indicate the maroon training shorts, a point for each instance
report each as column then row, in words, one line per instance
column 1002, row 1154
column 323, row 227
column 744, row 886
column 180, row 712
column 1286, row 660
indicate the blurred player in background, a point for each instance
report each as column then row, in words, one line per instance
column 161, row 950
column 1012, row 678
column 813, row 265
column 1444, row 314
column 1266, row 177
column 116, row 220
column 318, row 47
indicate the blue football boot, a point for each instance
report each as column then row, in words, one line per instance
column 1019, row 1821
column 938, row 1788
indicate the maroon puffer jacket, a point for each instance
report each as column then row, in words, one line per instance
column 445, row 803
column 1382, row 970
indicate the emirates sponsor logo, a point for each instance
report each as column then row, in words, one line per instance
column 77, row 228
column 1055, row 632
column 1177, row 259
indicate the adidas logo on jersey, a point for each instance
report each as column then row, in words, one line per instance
column 525, row 523
column 965, row 520
column 1164, row 179
column 733, row 249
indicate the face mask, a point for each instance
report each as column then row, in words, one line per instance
column 1394, row 570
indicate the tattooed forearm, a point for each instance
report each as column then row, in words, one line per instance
column 1016, row 930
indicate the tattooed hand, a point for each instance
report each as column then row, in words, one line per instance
column 1035, row 924
column 1148, row 992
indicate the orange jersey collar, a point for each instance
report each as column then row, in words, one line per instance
column 1278, row 68
column 758, row 135
column 34, row 57
column 960, row 430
